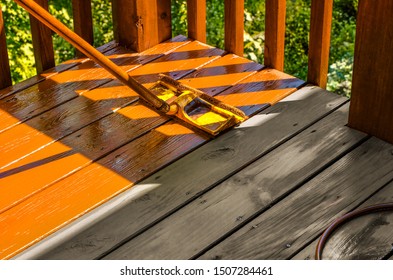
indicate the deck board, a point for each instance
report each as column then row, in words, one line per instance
column 215, row 167
column 51, row 72
column 62, row 159
column 253, row 190
column 98, row 174
column 368, row 237
column 70, row 84
column 335, row 191
column 67, row 118
column 38, row 134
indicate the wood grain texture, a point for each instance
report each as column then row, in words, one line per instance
column 42, row 42
column 155, row 197
column 164, row 20
column 36, row 134
column 83, row 21
column 52, row 92
column 365, row 238
column 196, row 19
column 50, row 72
column 275, row 34
column 141, row 24
column 122, row 22
column 298, row 219
column 234, row 26
column 222, row 74
column 372, row 103
column 318, row 53
column 27, row 145
column 85, row 146
column 5, row 73
column 70, row 84
column 250, row 191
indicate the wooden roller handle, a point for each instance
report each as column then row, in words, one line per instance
column 50, row 21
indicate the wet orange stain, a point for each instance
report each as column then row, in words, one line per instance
column 254, row 98
column 174, row 129
column 35, row 211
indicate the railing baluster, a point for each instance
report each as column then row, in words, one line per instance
column 141, row 24
column 42, row 42
column 234, row 26
column 196, row 16
column 83, row 21
column 275, row 34
column 164, row 20
column 371, row 108
column 318, row 55
column 5, row 74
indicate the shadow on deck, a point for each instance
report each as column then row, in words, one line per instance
column 90, row 172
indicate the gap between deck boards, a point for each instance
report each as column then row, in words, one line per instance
column 51, row 72
column 302, row 215
column 267, row 86
column 94, row 240
column 367, row 237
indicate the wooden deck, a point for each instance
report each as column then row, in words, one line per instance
column 89, row 172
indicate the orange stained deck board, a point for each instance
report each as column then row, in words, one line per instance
column 180, row 63
column 51, row 92
column 60, row 159
column 61, row 202
column 263, row 89
column 55, row 124
column 91, row 141
column 50, row 72
column 221, row 74
column 70, row 84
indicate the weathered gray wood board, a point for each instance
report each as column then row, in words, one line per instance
column 287, row 227
column 164, row 192
column 254, row 189
column 367, row 238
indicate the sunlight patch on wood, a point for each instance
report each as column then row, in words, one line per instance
column 174, row 129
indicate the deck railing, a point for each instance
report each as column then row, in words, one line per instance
column 140, row 24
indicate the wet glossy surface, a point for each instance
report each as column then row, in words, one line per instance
column 79, row 138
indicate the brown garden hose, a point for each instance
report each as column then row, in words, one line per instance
column 44, row 17
column 347, row 217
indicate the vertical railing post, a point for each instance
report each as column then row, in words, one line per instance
column 318, row 54
column 141, row 24
column 196, row 18
column 83, row 21
column 5, row 74
column 371, row 108
column 42, row 42
column 275, row 34
column 234, row 26
column 164, row 20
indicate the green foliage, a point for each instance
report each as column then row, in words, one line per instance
column 19, row 42
column 20, row 47
column 296, row 39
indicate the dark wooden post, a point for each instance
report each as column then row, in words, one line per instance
column 371, row 108
column 318, row 55
column 83, row 21
column 234, row 26
column 196, row 18
column 42, row 42
column 141, row 24
column 5, row 74
column 164, row 20
column 275, row 34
